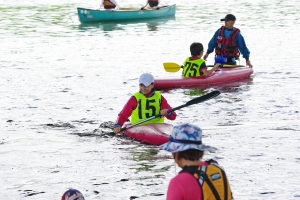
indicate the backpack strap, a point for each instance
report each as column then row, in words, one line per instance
column 199, row 172
column 225, row 184
column 203, row 175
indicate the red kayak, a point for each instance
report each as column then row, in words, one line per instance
column 155, row 134
column 221, row 75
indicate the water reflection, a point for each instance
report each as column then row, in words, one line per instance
column 151, row 24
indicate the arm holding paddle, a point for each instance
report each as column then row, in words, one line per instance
column 143, row 8
column 147, row 102
column 207, row 72
column 189, row 103
column 219, row 61
column 132, row 104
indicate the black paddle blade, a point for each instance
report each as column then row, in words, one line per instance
column 203, row 98
column 198, row 100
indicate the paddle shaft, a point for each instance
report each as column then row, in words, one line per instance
column 189, row 103
column 174, row 67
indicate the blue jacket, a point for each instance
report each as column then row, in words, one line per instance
column 239, row 41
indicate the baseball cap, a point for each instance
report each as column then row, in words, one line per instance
column 229, row 17
column 146, row 79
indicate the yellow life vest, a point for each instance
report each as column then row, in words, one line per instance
column 192, row 67
column 147, row 107
column 212, row 180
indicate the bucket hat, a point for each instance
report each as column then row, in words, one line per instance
column 184, row 137
column 72, row 194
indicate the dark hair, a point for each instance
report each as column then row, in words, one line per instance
column 196, row 48
column 190, row 154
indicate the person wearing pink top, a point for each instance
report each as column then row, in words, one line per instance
column 187, row 149
column 144, row 104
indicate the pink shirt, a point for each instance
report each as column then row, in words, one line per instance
column 184, row 186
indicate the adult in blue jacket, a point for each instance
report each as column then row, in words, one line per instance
column 228, row 41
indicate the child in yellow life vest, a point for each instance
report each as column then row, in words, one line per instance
column 195, row 65
column 144, row 104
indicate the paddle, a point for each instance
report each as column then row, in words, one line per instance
column 189, row 103
column 174, row 67
column 142, row 8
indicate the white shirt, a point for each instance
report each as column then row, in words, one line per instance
column 113, row 1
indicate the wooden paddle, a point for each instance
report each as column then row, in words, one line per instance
column 189, row 103
column 174, row 67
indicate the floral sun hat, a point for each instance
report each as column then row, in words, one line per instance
column 184, row 137
column 72, row 194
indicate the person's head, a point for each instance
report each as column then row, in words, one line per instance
column 185, row 143
column 196, row 49
column 146, row 83
column 229, row 21
column 72, row 194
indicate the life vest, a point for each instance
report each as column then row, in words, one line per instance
column 191, row 68
column 226, row 46
column 147, row 107
column 108, row 4
column 153, row 3
column 212, row 180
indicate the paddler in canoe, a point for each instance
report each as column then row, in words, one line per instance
column 144, row 104
column 153, row 5
column 229, row 42
column 109, row 4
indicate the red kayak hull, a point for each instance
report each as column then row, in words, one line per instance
column 221, row 75
column 154, row 134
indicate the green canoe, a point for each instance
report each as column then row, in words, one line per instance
column 89, row 15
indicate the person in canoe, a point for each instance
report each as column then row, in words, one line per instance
column 109, row 4
column 153, row 4
column 144, row 104
column 197, row 179
column 228, row 41
column 195, row 65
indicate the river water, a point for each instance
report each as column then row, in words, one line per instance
column 60, row 81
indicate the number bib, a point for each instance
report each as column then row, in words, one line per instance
column 192, row 67
column 147, row 107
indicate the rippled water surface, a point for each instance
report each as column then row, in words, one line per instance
column 60, row 80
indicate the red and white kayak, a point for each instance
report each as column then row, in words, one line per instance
column 155, row 134
column 221, row 75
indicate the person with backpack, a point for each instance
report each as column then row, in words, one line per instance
column 198, row 180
